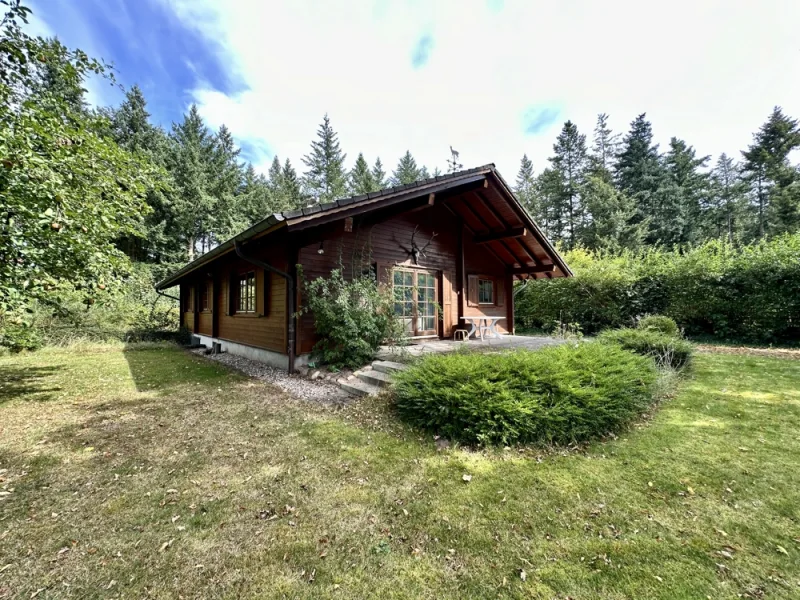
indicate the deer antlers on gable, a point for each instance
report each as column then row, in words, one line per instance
column 415, row 252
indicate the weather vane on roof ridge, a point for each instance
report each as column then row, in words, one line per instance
column 452, row 163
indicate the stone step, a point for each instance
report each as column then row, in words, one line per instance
column 373, row 377
column 387, row 366
column 356, row 387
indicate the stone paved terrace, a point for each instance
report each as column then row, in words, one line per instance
column 420, row 347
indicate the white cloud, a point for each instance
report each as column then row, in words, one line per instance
column 709, row 71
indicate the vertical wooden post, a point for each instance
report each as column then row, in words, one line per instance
column 292, row 304
column 460, row 270
column 510, row 303
column 196, row 308
column 214, row 305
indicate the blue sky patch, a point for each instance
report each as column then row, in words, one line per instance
column 148, row 45
column 538, row 118
column 495, row 6
column 422, row 51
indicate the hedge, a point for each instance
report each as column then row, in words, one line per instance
column 717, row 290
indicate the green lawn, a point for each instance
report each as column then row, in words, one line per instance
column 154, row 473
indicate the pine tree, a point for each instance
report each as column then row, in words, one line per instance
column 613, row 225
column 326, row 179
column 291, row 189
column 130, row 128
column 225, row 182
column 189, row 163
column 605, row 146
column 525, row 186
column 548, row 214
column 724, row 211
column 677, row 202
column 767, row 170
column 406, row 171
column 379, row 175
column 361, row 179
column 569, row 162
column 638, row 172
column 255, row 198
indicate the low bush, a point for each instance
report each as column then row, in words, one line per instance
column 559, row 395
column 666, row 350
column 659, row 323
column 16, row 338
column 352, row 318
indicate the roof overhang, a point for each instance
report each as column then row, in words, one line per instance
column 437, row 187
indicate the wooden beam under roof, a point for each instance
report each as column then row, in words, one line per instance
column 516, row 232
column 531, row 270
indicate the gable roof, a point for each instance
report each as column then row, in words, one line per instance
column 309, row 215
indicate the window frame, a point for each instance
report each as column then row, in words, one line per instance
column 243, row 283
column 205, row 298
column 491, row 282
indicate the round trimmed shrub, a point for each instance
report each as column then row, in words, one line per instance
column 559, row 395
column 666, row 350
column 659, row 323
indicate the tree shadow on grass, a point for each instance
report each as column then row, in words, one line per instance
column 18, row 381
column 160, row 368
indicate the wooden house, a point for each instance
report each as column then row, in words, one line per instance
column 458, row 240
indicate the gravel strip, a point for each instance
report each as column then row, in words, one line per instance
column 319, row 390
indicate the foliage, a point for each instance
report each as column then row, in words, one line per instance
column 67, row 191
column 352, row 317
column 326, row 179
column 16, row 338
column 661, row 324
column 407, row 170
column 749, row 293
column 667, row 350
column 565, row 394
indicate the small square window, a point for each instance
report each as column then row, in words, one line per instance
column 246, row 299
column 485, row 291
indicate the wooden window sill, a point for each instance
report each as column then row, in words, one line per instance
column 247, row 315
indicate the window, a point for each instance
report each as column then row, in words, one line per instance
column 204, row 297
column 246, row 299
column 485, row 291
column 189, row 299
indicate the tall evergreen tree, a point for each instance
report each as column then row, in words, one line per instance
column 605, row 146
column 724, row 210
column 291, row 189
column 361, row 179
column 326, row 179
column 638, row 172
column 569, row 162
column 525, row 186
column 548, row 214
column 379, row 174
column 130, row 128
column 613, row 225
column 407, row 171
column 225, row 182
column 255, row 199
column 189, row 162
column 676, row 205
column 767, row 170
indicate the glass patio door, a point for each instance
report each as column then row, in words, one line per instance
column 415, row 301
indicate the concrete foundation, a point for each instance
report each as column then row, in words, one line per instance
column 270, row 357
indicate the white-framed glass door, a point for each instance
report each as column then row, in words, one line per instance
column 415, row 300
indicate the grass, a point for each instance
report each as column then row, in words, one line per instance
column 155, row 473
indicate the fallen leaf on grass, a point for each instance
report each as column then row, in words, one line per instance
column 523, row 575
column 166, row 545
column 659, row 578
column 466, row 477
column 782, row 550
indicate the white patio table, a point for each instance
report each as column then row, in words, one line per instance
column 481, row 325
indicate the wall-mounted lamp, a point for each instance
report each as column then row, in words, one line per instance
column 321, row 249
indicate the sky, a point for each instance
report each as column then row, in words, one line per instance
column 493, row 79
